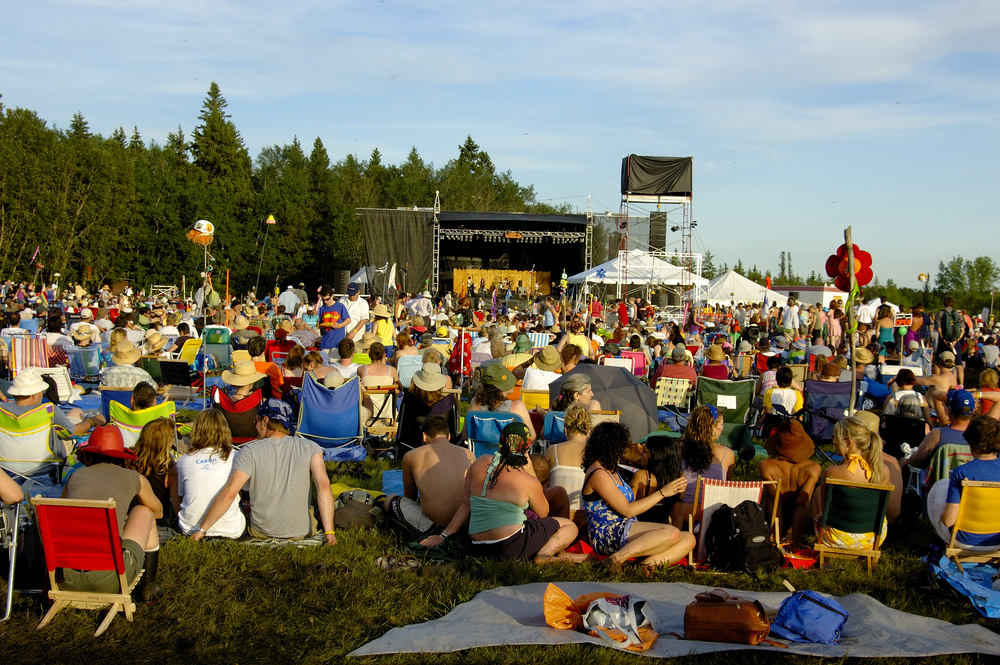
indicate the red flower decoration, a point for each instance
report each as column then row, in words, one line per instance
column 836, row 267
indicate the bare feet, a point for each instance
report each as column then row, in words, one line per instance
column 614, row 567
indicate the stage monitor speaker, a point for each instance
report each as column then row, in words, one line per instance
column 658, row 231
column 341, row 278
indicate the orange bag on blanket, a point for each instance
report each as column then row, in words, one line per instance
column 621, row 620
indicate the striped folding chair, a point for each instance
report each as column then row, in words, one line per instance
column 131, row 422
column 711, row 494
column 674, row 393
column 539, row 340
column 28, row 352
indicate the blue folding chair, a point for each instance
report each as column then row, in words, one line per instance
column 108, row 395
column 826, row 404
column 84, row 364
column 332, row 418
column 217, row 344
column 484, row 428
column 407, row 366
column 554, row 429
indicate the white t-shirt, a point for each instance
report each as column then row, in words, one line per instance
column 200, row 476
column 790, row 318
column 349, row 371
column 358, row 311
column 537, row 379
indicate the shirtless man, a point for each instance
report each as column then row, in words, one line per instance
column 942, row 379
column 789, row 449
column 437, row 471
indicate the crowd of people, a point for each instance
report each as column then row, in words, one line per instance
column 512, row 504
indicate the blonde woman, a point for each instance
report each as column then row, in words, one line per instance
column 566, row 459
column 201, row 473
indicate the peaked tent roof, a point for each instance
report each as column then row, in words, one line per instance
column 641, row 269
column 734, row 287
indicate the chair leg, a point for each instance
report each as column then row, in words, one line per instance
column 56, row 606
column 108, row 618
column 958, row 564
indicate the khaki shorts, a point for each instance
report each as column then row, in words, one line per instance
column 106, row 581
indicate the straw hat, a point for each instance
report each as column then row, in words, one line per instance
column 27, row 382
column 286, row 325
column 240, row 323
column 863, row 356
column 244, row 373
column 716, row 353
column 125, row 353
column 107, row 440
column 155, row 342
column 381, row 311
column 241, row 355
column 366, row 341
column 548, row 359
column 82, row 332
column 868, row 418
column 555, row 328
column 429, row 378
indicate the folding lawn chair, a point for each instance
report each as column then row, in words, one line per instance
column 598, row 417
column 535, row 398
column 241, row 415
column 733, row 400
column 383, row 420
column 977, row 514
column 217, row 345
column 83, row 535
column 84, row 364
column 897, row 430
column 60, row 377
column 406, row 367
column 276, row 349
column 711, row 494
column 484, row 429
column 189, row 352
column 413, row 412
column 674, row 394
column 798, row 372
column 744, row 365
column 332, row 418
column 121, row 395
column 178, row 381
column 26, row 441
column 946, row 458
column 639, row 367
column 826, row 404
column 10, row 526
column 27, row 351
column 854, row 507
column 539, row 340
column 554, row 428
column 130, row 422
column 624, row 363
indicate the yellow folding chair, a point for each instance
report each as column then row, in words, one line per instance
column 977, row 514
column 533, row 398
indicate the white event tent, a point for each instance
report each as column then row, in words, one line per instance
column 734, row 287
column 641, row 268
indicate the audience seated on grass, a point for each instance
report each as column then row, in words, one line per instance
column 702, row 456
column 615, row 531
column 493, row 395
column 498, row 491
column 660, row 460
column 789, row 449
column 105, row 474
column 433, row 483
column 566, row 458
column 425, row 398
column 679, row 367
column 201, row 473
column 154, row 460
column 276, row 469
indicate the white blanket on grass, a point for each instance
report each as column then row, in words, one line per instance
column 514, row 615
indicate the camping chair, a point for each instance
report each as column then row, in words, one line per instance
column 383, row 420
column 625, row 363
column 27, row 352
column 412, row 413
column 83, row 535
column 406, row 367
column 152, row 366
column 10, row 522
column 639, row 367
column 121, row 395
column 554, row 428
column 674, row 394
column 279, row 357
column 743, row 364
column 217, row 344
column 60, row 377
column 598, row 417
column 130, row 423
column 854, row 507
column 711, row 494
column 84, row 364
column 977, row 514
column 484, row 429
column 189, row 352
column 26, row 444
column 178, row 381
column 897, row 430
column 826, row 404
column 278, row 348
column 241, row 415
column 946, row 458
column 539, row 340
column 332, row 418
column 535, row 398
column 760, row 363
column 733, row 400
column 798, row 372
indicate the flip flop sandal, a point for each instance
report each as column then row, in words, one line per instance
column 387, row 563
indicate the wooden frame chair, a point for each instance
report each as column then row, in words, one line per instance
column 598, row 417
column 83, row 534
column 711, row 494
column 977, row 514
column 854, row 507
column 383, row 399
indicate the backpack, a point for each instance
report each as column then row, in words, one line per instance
column 738, row 539
column 752, row 334
column 951, row 325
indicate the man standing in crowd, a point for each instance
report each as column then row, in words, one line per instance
column 357, row 310
column 333, row 318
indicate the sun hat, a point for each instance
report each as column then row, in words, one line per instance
column 745, row 346
column 333, row 379
column 511, row 329
column 613, row 348
column 156, row 341
column 240, row 323
column 441, row 316
column 430, row 378
column 244, row 373
column 555, row 328
column 548, row 359
column 781, row 342
column 679, row 354
column 426, row 339
column 125, row 353
column 499, row 377
column 107, row 440
column 286, row 325
column 277, row 410
column 522, row 344
column 442, row 331
column 82, row 332
column 25, row 314
column 366, row 340
column 790, row 442
column 914, row 344
column 863, row 356
column 426, row 294
column 28, row 382
column 381, row 311
column 870, row 419
column 715, row 352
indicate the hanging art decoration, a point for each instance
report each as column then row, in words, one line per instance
column 203, row 233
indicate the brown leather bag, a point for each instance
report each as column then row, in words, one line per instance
column 715, row 616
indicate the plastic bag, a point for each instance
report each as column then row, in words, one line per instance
column 621, row 621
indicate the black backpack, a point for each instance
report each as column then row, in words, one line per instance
column 951, row 325
column 739, row 539
column 752, row 334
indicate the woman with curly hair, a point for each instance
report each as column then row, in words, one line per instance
column 701, row 456
column 576, row 388
column 154, row 461
column 612, row 511
column 661, row 463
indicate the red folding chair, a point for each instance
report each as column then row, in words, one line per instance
column 83, row 535
column 240, row 415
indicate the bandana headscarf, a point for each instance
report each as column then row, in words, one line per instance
column 513, row 452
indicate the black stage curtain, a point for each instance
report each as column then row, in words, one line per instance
column 403, row 237
column 656, row 176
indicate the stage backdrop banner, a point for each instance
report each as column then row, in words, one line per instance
column 529, row 279
column 659, row 176
column 403, row 237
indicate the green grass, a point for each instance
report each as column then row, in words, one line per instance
column 233, row 603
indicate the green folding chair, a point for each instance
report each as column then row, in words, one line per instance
column 854, row 507
column 733, row 400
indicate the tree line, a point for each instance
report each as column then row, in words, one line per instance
column 105, row 209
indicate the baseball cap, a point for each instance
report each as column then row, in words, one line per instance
column 498, row 376
column 962, row 402
column 947, row 358
column 353, row 289
column 678, row 354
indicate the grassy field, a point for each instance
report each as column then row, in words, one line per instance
column 234, row 603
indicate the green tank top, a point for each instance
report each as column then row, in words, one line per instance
column 490, row 513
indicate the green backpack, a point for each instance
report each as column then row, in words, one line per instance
column 951, row 325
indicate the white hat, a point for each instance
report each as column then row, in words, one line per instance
column 441, row 316
column 85, row 313
column 429, row 378
column 426, row 294
column 28, row 382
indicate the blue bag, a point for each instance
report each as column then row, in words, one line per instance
column 806, row 616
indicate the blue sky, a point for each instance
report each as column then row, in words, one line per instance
column 802, row 117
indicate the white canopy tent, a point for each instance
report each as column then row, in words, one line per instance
column 641, row 268
column 734, row 287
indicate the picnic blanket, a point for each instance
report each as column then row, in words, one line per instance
column 976, row 584
column 514, row 615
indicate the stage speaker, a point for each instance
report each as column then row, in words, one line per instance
column 660, row 299
column 341, row 278
column 658, row 231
